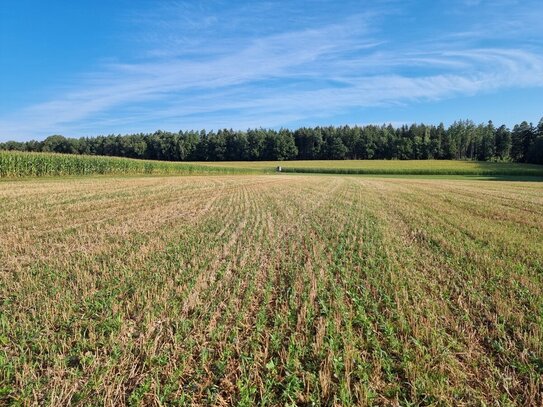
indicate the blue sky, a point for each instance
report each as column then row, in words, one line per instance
column 85, row 67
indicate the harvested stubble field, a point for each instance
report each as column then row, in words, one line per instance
column 271, row 290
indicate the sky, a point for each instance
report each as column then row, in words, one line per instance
column 91, row 67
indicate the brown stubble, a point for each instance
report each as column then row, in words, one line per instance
column 273, row 289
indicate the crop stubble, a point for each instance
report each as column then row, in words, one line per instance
column 271, row 290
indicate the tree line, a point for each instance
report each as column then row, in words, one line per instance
column 462, row 140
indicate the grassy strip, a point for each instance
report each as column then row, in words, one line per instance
column 505, row 170
column 24, row 164
column 400, row 165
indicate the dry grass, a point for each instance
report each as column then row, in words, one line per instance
column 271, row 290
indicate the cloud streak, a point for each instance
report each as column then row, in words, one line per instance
column 273, row 80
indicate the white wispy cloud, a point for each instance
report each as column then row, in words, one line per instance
column 271, row 80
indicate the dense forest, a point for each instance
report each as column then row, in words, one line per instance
column 463, row 140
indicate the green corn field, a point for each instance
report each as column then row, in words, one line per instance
column 24, row 164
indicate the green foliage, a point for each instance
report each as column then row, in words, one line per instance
column 17, row 164
column 425, row 168
column 462, row 140
column 23, row 164
column 535, row 153
column 503, row 143
column 523, row 137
